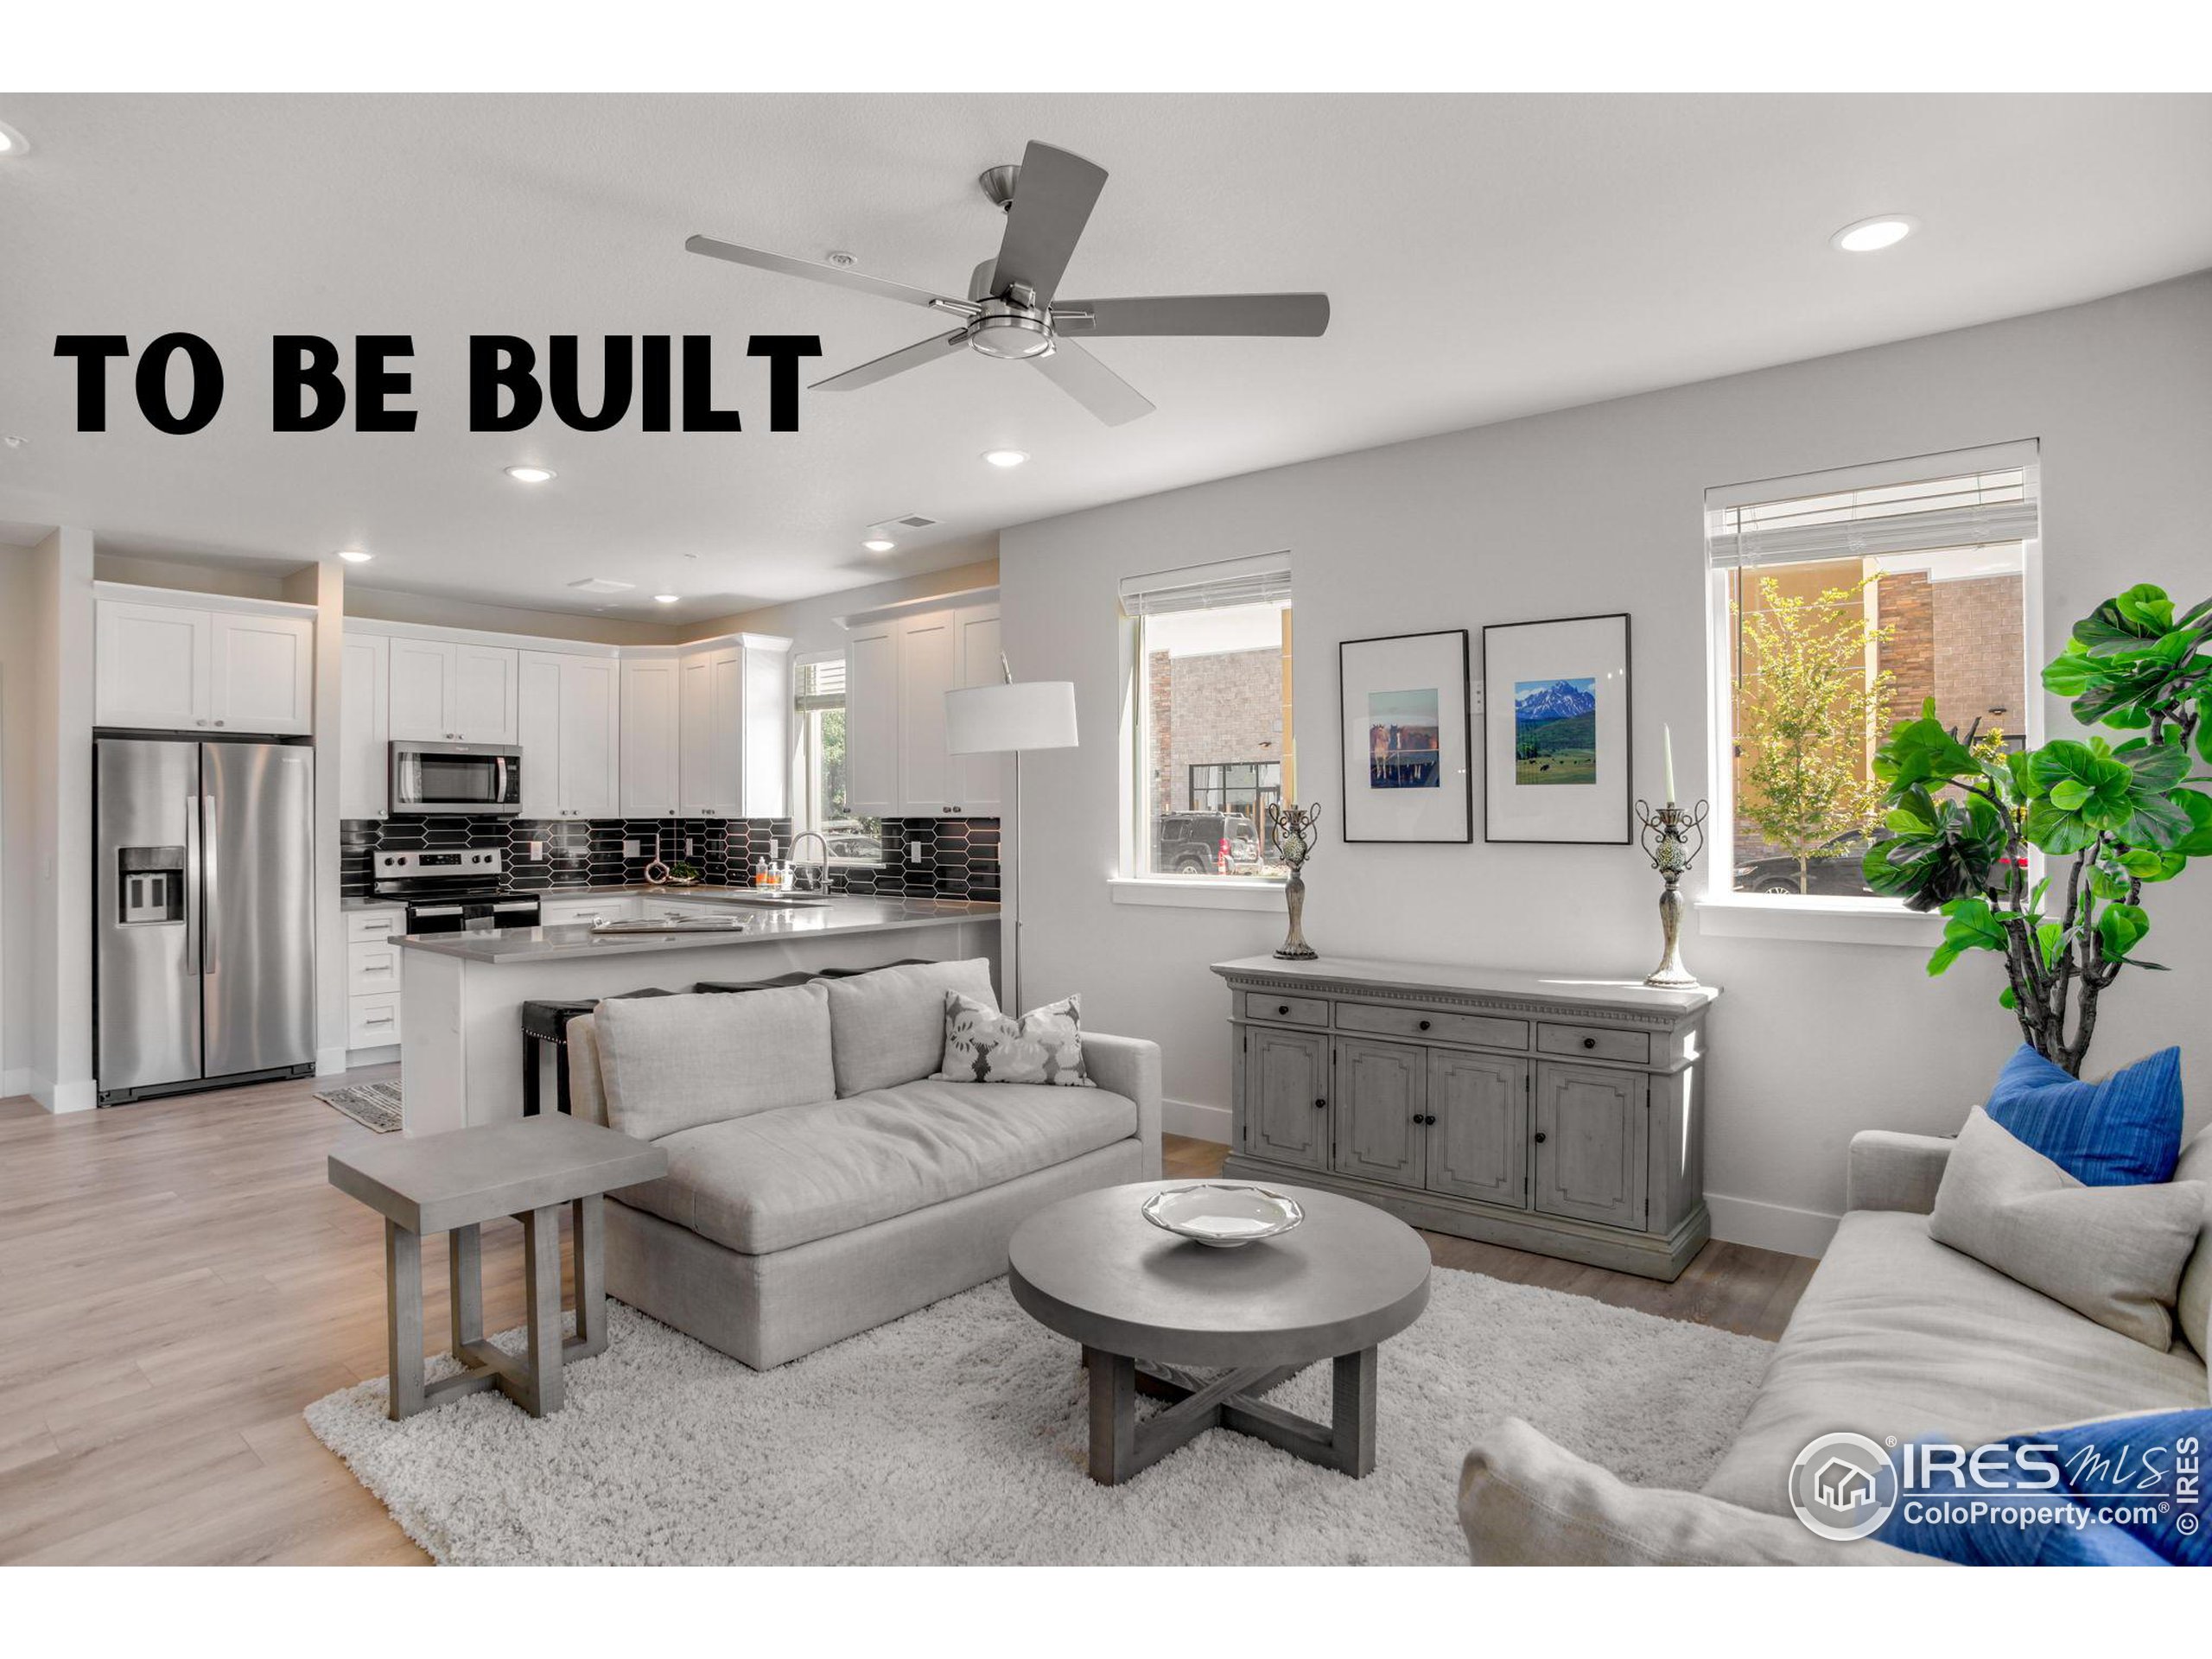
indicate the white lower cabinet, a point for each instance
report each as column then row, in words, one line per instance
column 373, row 971
column 587, row 911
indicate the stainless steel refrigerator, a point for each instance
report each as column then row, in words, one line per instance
column 203, row 913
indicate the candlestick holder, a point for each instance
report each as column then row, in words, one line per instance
column 1665, row 836
column 1294, row 827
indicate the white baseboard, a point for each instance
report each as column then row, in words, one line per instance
column 79, row 1097
column 360, row 1056
column 329, row 1062
column 17, row 1082
column 1770, row 1226
column 1195, row 1119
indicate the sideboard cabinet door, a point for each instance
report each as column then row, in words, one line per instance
column 1381, row 1107
column 1479, row 1145
column 1285, row 1095
column 1591, row 1142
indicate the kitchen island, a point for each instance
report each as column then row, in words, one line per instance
column 461, row 994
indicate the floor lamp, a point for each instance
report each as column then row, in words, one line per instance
column 1012, row 719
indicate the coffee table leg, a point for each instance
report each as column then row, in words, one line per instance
column 590, row 1230
column 402, row 1274
column 541, row 1234
column 1113, row 1416
column 1351, row 1418
column 465, row 1281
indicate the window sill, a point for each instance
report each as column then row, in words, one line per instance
column 1196, row 891
column 1827, row 921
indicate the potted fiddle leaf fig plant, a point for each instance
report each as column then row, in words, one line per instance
column 2113, row 819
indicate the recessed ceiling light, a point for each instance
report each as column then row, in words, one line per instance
column 879, row 543
column 1872, row 235
column 530, row 475
column 664, row 598
column 1006, row 457
column 11, row 142
column 354, row 555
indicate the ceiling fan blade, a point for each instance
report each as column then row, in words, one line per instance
column 1092, row 384
column 1052, row 199
column 834, row 275
column 897, row 362
column 1305, row 314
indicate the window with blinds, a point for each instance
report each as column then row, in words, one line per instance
column 818, row 771
column 1841, row 604
column 1213, row 730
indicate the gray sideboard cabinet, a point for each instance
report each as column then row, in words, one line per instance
column 1552, row 1113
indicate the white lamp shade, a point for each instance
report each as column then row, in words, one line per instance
column 1022, row 714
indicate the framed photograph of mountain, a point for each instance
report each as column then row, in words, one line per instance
column 1407, row 729
column 1555, row 730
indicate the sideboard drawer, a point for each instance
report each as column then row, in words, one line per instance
column 1634, row 1046
column 1439, row 1027
column 1290, row 1010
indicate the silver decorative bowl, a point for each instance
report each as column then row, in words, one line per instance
column 1223, row 1215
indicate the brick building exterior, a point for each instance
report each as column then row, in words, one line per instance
column 1220, row 707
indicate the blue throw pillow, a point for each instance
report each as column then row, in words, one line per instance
column 2125, row 1131
column 2122, row 1491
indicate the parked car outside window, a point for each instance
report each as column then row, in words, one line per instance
column 1204, row 843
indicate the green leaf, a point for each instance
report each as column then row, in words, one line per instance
column 2158, row 821
column 2006, row 1000
column 2197, row 842
column 2072, row 671
column 2146, row 607
column 2047, row 941
column 2058, row 832
column 2120, row 928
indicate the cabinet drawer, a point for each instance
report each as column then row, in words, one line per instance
column 372, row 1022
column 1427, row 1022
column 371, row 969
column 384, row 922
column 589, row 912
column 1291, row 1010
column 1634, row 1046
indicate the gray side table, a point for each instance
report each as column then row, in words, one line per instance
column 453, row 1183
column 1148, row 1306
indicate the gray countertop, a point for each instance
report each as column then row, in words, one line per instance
column 629, row 890
column 842, row 915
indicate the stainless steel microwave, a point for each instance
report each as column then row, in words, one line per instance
column 483, row 779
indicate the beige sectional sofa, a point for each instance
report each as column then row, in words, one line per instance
column 820, row 1182
column 1897, row 1335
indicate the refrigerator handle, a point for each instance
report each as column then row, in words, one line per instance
column 209, row 952
column 191, row 891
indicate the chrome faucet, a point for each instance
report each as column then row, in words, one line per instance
column 822, row 869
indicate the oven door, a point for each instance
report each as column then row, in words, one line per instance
column 477, row 779
column 503, row 913
column 426, row 917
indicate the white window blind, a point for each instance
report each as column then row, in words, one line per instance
column 1262, row 579
column 820, row 684
column 1943, row 509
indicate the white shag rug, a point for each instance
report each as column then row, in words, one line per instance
column 957, row 1435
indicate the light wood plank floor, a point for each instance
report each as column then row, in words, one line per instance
column 177, row 1281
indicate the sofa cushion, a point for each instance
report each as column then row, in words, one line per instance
column 2193, row 1305
column 1899, row 1335
column 776, row 1180
column 889, row 1025
column 674, row 1063
column 2112, row 1253
column 2123, row 1130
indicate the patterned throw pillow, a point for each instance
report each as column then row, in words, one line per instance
column 983, row 1045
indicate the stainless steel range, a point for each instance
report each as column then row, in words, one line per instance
column 453, row 891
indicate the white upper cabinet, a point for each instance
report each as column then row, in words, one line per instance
column 872, row 719
column 734, row 721
column 192, row 668
column 364, row 727
column 443, row 692
column 898, row 667
column 570, row 729
column 767, row 753
column 262, row 673
column 651, row 759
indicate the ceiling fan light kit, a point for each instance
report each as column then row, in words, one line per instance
column 1012, row 313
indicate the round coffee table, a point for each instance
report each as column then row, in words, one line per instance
column 1147, row 1305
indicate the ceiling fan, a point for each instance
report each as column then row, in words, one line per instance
column 1012, row 310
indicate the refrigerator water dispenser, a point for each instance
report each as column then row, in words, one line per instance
column 152, row 885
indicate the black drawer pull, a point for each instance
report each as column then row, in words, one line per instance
column 1283, row 1008
column 1540, row 1134
column 1419, row 1118
column 1320, row 1104
column 1424, row 1024
column 1589, row 1042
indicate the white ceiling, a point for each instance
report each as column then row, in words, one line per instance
column 1488, row 257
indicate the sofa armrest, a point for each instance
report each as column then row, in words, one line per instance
column 1890, row 1169
column 1129, row 1065
column 587, row 1083
column 1524, row 1501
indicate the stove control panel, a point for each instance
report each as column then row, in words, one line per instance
column 472, row 862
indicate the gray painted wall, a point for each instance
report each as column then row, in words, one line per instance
column 1599, row 509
